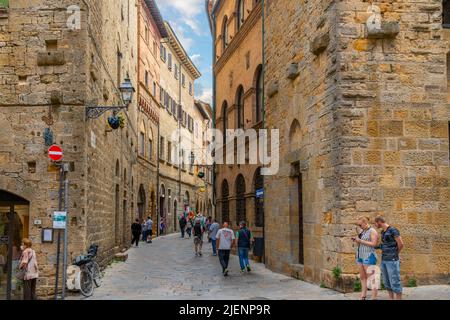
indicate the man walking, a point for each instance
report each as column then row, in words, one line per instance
column 136, row 230
column 182, row 223
column 149, row 225
column 225, row 241
column 244, row 239
column 213, row 229
column 198, row 238
column 144, row 231
column 391, row 246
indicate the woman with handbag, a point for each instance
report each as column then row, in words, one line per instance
column 28, row 270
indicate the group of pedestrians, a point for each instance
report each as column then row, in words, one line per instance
column 142, row 230
column 366, row 258
column 222, row 240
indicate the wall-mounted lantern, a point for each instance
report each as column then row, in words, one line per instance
column 127, row 91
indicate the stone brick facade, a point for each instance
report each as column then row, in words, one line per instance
column 181, row 133
column 238, row 75
column 363, row 118
column 49, row 73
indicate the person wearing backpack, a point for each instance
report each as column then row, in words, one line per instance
column 244, row 240
column 198, row 238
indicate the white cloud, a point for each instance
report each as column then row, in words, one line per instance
column 180, row 31
column 186, row 13
column 189, row 8
column 196, row 58
column 205, row 95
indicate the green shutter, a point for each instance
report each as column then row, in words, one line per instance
column 4, row 3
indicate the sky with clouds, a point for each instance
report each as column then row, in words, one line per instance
column 190, row 22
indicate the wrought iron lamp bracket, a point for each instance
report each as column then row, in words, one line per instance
column 94, row 112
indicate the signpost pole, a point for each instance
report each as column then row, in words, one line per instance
column 66, row 209
column 58, row 247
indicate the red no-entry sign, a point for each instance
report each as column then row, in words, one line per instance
column 55, row 153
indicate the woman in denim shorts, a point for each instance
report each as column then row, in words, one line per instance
column 367, row 240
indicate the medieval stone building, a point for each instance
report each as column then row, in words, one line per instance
column 56, row 59
column 359, row 93
column 151, row 31
column 237, row 34
column 180, row 187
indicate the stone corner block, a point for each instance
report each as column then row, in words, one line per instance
column 388, row 30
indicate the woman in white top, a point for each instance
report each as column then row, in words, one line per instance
column 28, row 262
column 366, row 256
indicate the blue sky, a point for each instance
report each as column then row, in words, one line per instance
column 189, row 21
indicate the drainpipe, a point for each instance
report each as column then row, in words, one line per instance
column 264, row 111
column 214, row 105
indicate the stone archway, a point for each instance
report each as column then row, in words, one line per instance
column 14, row 226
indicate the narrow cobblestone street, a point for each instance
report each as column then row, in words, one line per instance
column 167, row 269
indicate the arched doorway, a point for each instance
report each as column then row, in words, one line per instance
column 175, row 215
column 117, row 216
column 186, row 201
column 259, row 198
column 141, row 203
column 14, row 225
column 162, row 197
column 241, row 211
column 225, row 202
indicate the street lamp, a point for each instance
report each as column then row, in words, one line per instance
column 126, row 90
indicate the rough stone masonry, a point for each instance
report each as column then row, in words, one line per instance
column 363, row 116
column 49, row 73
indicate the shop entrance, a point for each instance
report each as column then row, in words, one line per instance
column 14, row 222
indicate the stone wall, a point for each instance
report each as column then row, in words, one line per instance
column 48, row 75
column 363, row 117
column 300, row 99
column 237, row 66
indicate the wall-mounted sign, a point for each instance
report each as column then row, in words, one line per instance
column 55, row 153
column 260, row 193
column 59, row 220
column 47, row 235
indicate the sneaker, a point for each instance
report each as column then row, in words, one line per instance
column 249, row 269
column 201, row 254
column 225, row 273
column 242, row 270
column 196, row 254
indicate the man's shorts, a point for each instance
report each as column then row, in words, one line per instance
column 390, row 271
column 198, row 240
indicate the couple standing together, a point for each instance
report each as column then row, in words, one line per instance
column 224, row 240
column 391, row 245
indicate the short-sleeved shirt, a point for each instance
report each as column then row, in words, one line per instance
column 389, row 245
column 149, row 224
column 214, row 228
column 225, row 237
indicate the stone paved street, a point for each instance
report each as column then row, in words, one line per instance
column 167, row 269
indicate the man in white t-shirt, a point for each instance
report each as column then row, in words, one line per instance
column 225, row 241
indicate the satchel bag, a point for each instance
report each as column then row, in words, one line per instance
column 21, row 273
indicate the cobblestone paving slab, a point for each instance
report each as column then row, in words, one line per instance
column 168, row 270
